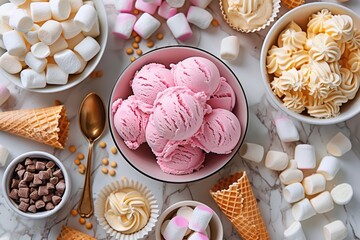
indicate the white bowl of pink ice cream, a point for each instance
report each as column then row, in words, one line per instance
column 178, row 114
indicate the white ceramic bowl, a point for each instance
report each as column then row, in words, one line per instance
column 10, row 170
column 301, row 15
column 216, row 229
column 74, row 79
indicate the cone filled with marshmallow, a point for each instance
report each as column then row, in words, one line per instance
column 236, row 199
column 45, row 125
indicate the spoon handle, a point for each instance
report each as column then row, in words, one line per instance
column 86, row 205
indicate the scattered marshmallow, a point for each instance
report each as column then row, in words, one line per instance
column 322, row 203
column 59, row 45
column 75, row 5
column 4, row 153
column 294, row 231
column 294, row 192
column 85, row 17
column 335, row 230
column 32, row 35
column 75, row 40
column 60, row 9
column 37, row 64
column 200, row 3
column 146, row 25
column 87, row 48
column 292, row 164
column 314, row 184
column 3, row 29
column 49, row 32
column 124, row 6
column 303, row 210
column 70, row 29
column 229, row 48
column 145, row 7
column 10, row 64
column 17, row 2
column 200, row 218
column 124, row 25
column 89, row 2
column 176, row 228
column 179, row 27
column 166, row 11
column 276, row 160
column 6, row 10
column 305, row 156
column 176, row 3
column 32, row 79
column 339, row 145
column 20, row 20
column 252, row 152
column 40, row 11
column 286, row 130
column 55, row 75
column 4, row 95
column 289, row 176
column 342, row 194
column 199, row 17
column 329, row 166
column 198, row 236
column 68, row 61
column 94, row 31
column 40, row 50
column 14, row 43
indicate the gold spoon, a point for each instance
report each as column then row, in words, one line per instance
column 92, row 117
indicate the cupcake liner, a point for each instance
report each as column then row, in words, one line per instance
column 125, row 183
column 275, row 11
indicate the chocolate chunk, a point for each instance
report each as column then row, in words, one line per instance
column 28, row 176
column 28, row 161
column 43, row 175
column 58, row 193
column 54, row 180
column 50, row 186
column 49, row 206
column 50, row 172
column 23, row 192
column 32, row 202
column 23, row 184
column 14, row 194
column 27, row 200
column 39, row 165
column 58, row 174
column 43, row 190
column 32, row 208
column 60, row 187
column 19, row 167
column 20, row 173
column 37, row 180
column 23, row 206
column 34, row 195
column 39, row 204
column 47, row 198
column 32, row 185
column 31, row 168
column 56, row 200
column 50, row 164
column 15, row 183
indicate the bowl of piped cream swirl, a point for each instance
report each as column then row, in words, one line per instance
column 310, row 63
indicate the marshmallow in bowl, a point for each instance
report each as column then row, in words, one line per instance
column 70, row 29
column 86, row 17
column 55, row 75
column 200, row 218
column 176, row 228
column 198, row 236
column 32, row 79
column 229, row 48
column 20, row 20
column 37, row 64
column 40, row 11
column 4, row 153
column 75, row 5
column 10, row 63
column 32, row 35
column 59, row 45
column 5, row 11
column 199, row 17
column 14, row 43
column 49, row 32
column 60, row 9
column 68, row 61
column 94, row 31
column 339, row 145
column 124, row 25
column 179, row 27
column 146, row 25
column 72, row 42
column 87, row 48
column 40, row 50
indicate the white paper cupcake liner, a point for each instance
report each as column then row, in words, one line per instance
column 125, row 183
column 276, row 9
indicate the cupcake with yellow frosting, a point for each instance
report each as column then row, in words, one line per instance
column 126, row 210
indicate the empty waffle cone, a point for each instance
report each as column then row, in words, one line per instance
column 45, row 125
column 290, row 4
column 68, row 233
column 236, row 199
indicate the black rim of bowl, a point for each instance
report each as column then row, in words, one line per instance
column 233, row 152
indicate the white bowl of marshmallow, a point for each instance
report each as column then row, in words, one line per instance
column 51, row 46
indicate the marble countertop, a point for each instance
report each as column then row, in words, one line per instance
column 266, row 185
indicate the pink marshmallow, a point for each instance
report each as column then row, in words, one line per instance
column 124, row 25
column 198, row 236
column 179, row 27
column 156, row 2
column 4, row 94
column 146, row 25
column 200, row 218
column 166, row 11
column 124, row 6
column 145, row 6
column 176, row 228
column 200, row 3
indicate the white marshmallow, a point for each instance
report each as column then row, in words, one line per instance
column 94, row 31
column 83, row 64
column 146, row 25
column 305, row 156
column 87, row 48
column 68, row 61
column 294, row 232
column 276, row 160
column 286, row 130
column 163, row 226
column 6, row 10
column 75, row 5
column 229, row 48
column 176, row 3
column 124, row 25
column 59, row 45
column 176, row 228
column 200, row 218
column 4, row 94
column 75, row 40
column 294, row 192
column 303, row 210
column 32, row 79
column 40, row 50
column 124, row 6
column 32, row 35
column 200, row 3
column 37, row 64
column 85, row 17
column 292, row 164
column 17, row 2
column 91, row 3
column 289, row 176
column 49, row 32
column 314, row 184
column 10, row 64
column 199, row 17
column 40, row 11
column 185, row 212
column 70, row 29
column 342, row 194
column 252, row 152
column 14, row 43
column 166, row 11
column 329, row 166
column 3, row 29
column 179, row 27
column 338, row 145
column 335, row 230
column 2, row 44
column 4, row 153
column 60, row 9
column 322, row 203
column 145, row 7
column 54, row 75
column 198, row 236
column 20, row 20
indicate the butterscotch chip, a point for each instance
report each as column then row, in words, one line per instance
column 72, row 149
column 129, row 51
column 104, row 170
column 74, row 212
column 80, row 156
column 132, row 59
column 82, row 171
column 77, row 162
column 105, row 161
column 160, row 36
column 99, row 73
column 112, row 172
column 215, row 22
column 113, row 150
column 135, row 45
column 139, row 52
column 82, row 220
column 113, row 164
column 93, row 74
column 137, row 39
column 82, row 166
column 102, row 144
column 150, row 43
column 134, row 34
column 136, row 12
column 88, row 225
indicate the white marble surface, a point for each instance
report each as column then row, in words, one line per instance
column 266, row 184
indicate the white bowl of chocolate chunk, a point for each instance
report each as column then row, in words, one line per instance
column 36, row 185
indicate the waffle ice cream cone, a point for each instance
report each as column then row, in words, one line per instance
column 236, row 199
column 68, row 233
column 290, row 4
column 45, row 125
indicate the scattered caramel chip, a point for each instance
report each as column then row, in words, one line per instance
column 132, row 59
column 150, row 43
column 102, row 144
column 93, row 74
column 105, row 161
column 99, row 73
column 80, row 156
column 82, row 220
column 72, row 149
column 113, row 164
column 81, row 170
column 104, row 170
column 82, row 166
column 77, row 162
column 136, row 12
column 215, row 22
column 129, row 51
column 160, row 36
column 88, row 225
column 112, row 172
column 74, row 212
column 137, row 39
column 113, row 150
column 134, row 34
column 139, row 52
column 135, row 45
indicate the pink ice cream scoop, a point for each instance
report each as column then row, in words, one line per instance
column 179, row 112
column 198, row 74
column 150, row 80
column 221, row 132
column 130, row 119
column 223, row 98
column 183, row 160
